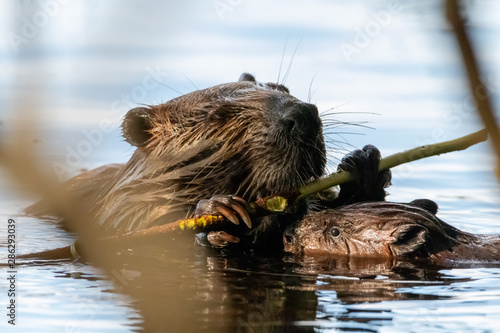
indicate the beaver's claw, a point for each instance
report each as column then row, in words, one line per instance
column 369, row 183
column 228, row 206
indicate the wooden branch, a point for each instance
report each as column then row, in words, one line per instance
column 398, row 159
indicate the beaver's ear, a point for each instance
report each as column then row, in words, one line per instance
column 136, row 126
column 409, row 239
column 426, row 204
column 247, row 77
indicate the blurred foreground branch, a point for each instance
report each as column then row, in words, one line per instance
column 477, row 87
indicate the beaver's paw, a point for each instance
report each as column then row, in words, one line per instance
column 229, row 206
column 369, row 183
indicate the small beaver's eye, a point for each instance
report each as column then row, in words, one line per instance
column 335, row 232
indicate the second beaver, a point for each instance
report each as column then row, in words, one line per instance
column 210, row 152
column 386, row 229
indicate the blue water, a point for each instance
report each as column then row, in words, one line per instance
column 87, row 63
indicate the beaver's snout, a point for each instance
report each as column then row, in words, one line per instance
column 301, row 119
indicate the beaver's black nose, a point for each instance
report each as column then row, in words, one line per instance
column 301, row 119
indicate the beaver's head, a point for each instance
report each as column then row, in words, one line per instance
column 372, row 229
column 246, row 138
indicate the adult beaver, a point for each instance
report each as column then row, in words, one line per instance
column 387, row 229
column 210, row 152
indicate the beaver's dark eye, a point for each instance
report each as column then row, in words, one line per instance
column 335, row 232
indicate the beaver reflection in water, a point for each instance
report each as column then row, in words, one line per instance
column 210, row 152
column 386, row 229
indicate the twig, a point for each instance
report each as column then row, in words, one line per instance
column 398, row 159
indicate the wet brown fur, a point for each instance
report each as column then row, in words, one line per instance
column 227, row 139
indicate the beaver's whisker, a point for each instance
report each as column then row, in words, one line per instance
column 194, row 85
column 285, row 77
column 281, row 61
column 309, row 94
